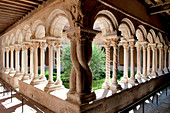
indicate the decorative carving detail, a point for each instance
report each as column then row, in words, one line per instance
column 51, row 43
column 35, row 45
column 17, row 48
column 77, row 15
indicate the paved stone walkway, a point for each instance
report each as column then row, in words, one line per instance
column 162, row 107
column 6, row 106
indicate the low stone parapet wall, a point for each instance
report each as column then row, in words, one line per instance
column 50, row 101
column 126, row 97
column 13, row 81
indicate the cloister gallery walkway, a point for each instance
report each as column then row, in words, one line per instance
column 59, row 27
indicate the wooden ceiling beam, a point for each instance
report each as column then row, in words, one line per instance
column 15, row 5
column 20, row 3
column 32, row 1
column 159, row 9
column 13, row 8
column 13, row 12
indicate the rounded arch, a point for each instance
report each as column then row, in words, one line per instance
column 106, row 22
column 12, row 39
column 150, row 38
column 139, row 35
column 7, row 42
column 153, row 34
column 19, row 36
column 142, row 28
column 38, row 29
column 125, row 31
column 130, row 25
column 27, row 32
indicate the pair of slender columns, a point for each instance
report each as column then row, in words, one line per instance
column 124, row 79
column 3, row 59
column 31, row 62
column 42, row 75
column 25, row 76
column 148, row 60
column 138, row 47
column 132, row 79
column 50, row 86
column 106, row 84
column 12, row 71
column 153, row 74
column 144, row 75
column 165, row 59
column 35, row 79
column 169, row 58
column 17, row 50
column 7, row 60
column 114, row 85
column 160, row 70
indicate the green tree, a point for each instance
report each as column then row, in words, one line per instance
column 97, row 63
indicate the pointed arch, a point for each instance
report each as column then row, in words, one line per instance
column 27, row 32
column 142, row 28
column 38, row 29
column 153, row 34
column 12, row 39
column 19, row 36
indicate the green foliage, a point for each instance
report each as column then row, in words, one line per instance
column 97, row 63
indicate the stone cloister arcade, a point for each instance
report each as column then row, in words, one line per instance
column 58, row 27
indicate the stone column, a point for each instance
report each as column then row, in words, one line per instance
column 35, row 79
column 165, row 60
column 156, row 59
column 81, row 76
column 26, row 76
column 58, row 81
column 7, row 60
column 160, row 70
column 12, row 61
column 106, row 84
column 132, row 79
column 144, row 75
column 153, row 74
column 138, row 47
column 31, row 62
column 42, row 75
column 17, row 50
column 23, row 59
column 3, row 60
column 148, row 60
column 50, row 86
column 124, row 79
column 169, row 58
column 115, row 86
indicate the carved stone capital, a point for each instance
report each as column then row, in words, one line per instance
column 17, row 48
column 42, row 45
column 165, row 48
column 125, row 45
column 35, row 45
column 12, row 48
column 7, row 49
column 132, row 44
column 51, row 43
column 144, row 46
column 107, row 44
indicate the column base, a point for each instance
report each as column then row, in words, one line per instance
column 138, row 76
column 35, row 81
column 153, row 75
column 59, row 83
column 106, row 85
column 148, row 73
column 165, row 70
column 115, row 87
column 145, row 77
column 80, row 98
column 18, row 74
column 43, row 80
column 160, row 72
column 12, row 72
column 7, row 70
column 50, row 87
column 133, row 81
column 25, row 77
column 124, row 80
